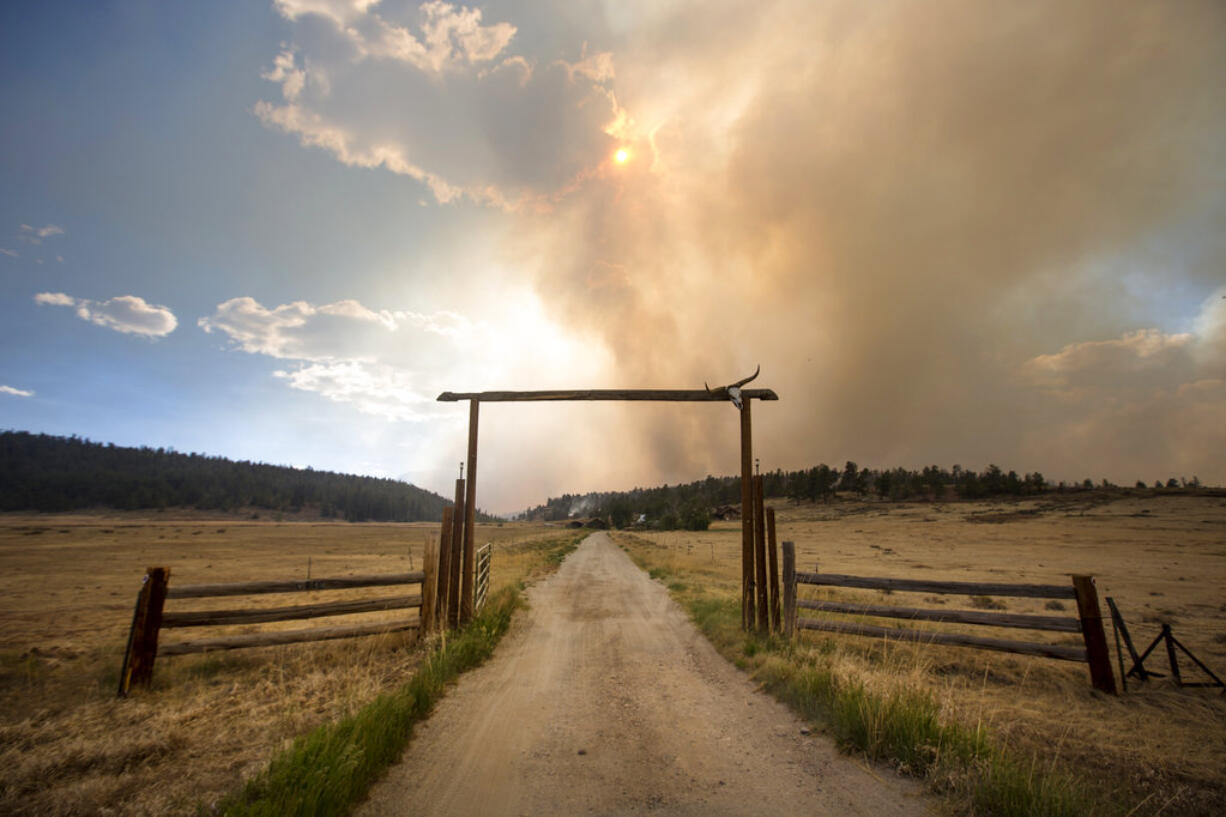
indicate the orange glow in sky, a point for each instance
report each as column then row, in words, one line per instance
column 622, row 156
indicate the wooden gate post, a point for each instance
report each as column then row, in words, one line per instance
column 773, row 557
column 789, row 589
column 457, row 557
column 143, row 638
column 1095, row 637
column 747, row 573
column 759, row 557
column 445, row 555
column 470, row 517
column 429, row 586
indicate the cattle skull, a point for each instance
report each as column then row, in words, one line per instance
column 733, row 390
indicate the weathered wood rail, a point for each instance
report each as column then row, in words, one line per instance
column 1088, row 621
column 483, row 577
column 150, row 617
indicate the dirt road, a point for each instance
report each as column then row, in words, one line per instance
column 604, row 699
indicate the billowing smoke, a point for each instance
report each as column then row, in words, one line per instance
column 899, row 209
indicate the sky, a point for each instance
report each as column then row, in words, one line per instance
column 959, row 231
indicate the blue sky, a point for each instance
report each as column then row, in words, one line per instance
column 275, row 231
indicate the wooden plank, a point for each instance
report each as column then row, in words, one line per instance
column 773, row 556
column 789, row 589
column 445, row 555
column 429, row 586
column 665, row 395
column 1095, row 637
column 457, row 557
column 210, row 618
column 197, row 591
column 470, row 516
column 1036, row 591
column 759, row 558
column 747, row 609
column 951, row 639
column 145, row 628
column 236, row 642
column 1057, row 624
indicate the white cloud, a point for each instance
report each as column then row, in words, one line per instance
column 393, row 363
column 373, row 388
column 55, row 299
column 438, row 97
column 15, row 392
column 284, row 71
column 128, row 314
column 10, row 253
column 35, row 235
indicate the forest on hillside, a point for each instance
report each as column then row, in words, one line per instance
column 690, row 505
column 39, row 472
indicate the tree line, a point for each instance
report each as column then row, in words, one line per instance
column 40, row 472
column 690, row 505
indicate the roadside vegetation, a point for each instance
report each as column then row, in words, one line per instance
column 997, row 734
column 212, row 722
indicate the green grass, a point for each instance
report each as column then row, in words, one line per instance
column 328, row 770
column 902, row 728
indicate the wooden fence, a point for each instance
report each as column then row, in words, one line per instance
column 150, row 617
column 1082, row 590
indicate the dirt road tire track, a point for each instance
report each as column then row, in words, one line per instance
column 604, row 699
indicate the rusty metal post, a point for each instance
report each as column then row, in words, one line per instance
column 747, row 574
column 470, row 517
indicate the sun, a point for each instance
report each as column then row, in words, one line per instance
column 621, row 156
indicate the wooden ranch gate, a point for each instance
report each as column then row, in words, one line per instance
column 456, row 542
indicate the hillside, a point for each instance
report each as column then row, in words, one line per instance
column 690, row 505
column 39, row 472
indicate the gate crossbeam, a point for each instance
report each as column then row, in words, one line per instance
column 662, row 395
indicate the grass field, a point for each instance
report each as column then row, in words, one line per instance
column 1163, row 558
column 67, row 586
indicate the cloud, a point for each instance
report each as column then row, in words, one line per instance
column 15, row 392
column 55, row 299
column 128, row 314
column 945, row 234
column 35, row 235
column 347, row 352
column 438, row 97
column 10, row 253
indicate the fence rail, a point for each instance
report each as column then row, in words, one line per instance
column 1088, row 621
column 483, row 576
column 150, row 618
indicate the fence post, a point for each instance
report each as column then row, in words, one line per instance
column 759, row 550
column 789, row 589
column 747, row 573
column 445, row 555
column 457, row 557
column 773, row 559
column 429, row 586
column 143, row 638
column 1095, row 637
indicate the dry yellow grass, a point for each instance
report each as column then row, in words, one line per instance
column 67, row 585
column 1161, row 558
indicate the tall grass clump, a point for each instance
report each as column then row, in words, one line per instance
column 329, row 769
column 901, row 726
